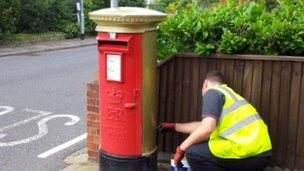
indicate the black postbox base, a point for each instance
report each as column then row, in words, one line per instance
column 111, row 163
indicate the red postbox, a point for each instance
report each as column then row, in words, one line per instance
column 127, row 77
column 120, row 85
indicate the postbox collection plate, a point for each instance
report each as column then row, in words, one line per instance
column 113, row 67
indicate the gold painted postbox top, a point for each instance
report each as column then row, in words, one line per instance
column 126, row 19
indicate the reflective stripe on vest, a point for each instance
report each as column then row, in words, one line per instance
column 240, row 124
column 233, row 107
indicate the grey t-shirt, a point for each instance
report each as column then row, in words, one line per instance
column 212, row 104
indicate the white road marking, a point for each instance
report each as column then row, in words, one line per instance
column 7, row 109
column 35, row 111
column 43, row 130
column 62, row 146
column 42, row 114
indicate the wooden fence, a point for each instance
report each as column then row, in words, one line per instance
column 273, row 84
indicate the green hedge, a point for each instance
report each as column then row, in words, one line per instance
column 45, row 15
column 249, row 28
column 38, row 16
column 10, row 14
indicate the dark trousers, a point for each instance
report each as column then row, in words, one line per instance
column 199, row 163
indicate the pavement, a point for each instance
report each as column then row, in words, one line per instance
column 46, row 46
column 78, row 161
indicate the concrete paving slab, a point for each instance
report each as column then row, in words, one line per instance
column 78, row 161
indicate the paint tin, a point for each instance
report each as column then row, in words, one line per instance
column 185, row 167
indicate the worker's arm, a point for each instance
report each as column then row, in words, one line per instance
column 211, row 107
column 187, row 128
column 201, row 133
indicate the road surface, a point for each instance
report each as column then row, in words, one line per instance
column 43, row 107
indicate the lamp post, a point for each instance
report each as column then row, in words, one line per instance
column 82, row 22
column 80, row 17
column 114, row 3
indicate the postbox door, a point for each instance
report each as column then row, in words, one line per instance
column 120, row 85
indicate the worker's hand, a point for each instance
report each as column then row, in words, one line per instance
column 178, row 156
column 165, row 127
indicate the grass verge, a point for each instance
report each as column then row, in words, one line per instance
column 22, row 39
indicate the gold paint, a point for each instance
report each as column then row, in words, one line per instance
column 150, row 152
column 125, row 28
column 149, row 92
column 145, row 21
column 126, row 19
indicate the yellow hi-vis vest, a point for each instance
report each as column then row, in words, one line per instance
column 240, row 131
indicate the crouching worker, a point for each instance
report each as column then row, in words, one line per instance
column 231, row 136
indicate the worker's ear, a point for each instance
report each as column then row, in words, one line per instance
column 205, row 87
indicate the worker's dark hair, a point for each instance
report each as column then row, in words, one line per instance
column 215, row 76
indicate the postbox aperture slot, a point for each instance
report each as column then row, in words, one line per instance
column 113, row 43
column 122, row 46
